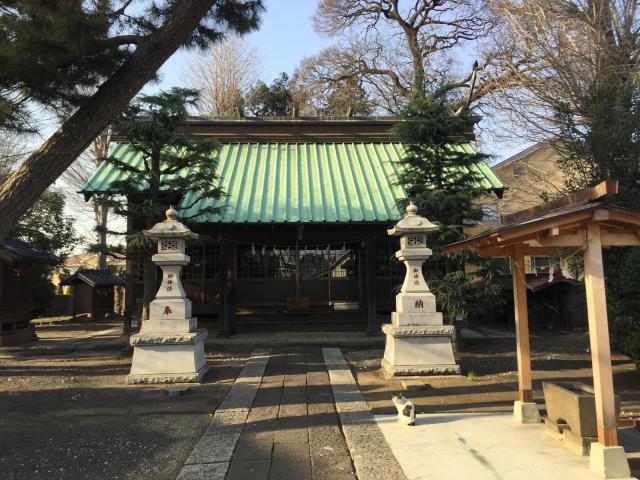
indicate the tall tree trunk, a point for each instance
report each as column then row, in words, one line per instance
column 101, row 212
column 47, row 163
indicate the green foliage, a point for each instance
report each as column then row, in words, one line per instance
column 438, row 174
column 439, row 177
column 151, row 124
column 274, row 100
column 472, row 376
column 56, row 53
column 46, row 227
column 603, row 141
column 623, row 299
column 176, row 169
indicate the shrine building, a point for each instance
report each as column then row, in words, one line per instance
column 303, row 223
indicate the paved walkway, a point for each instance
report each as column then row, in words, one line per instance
column 280, row 425
column 480, row 446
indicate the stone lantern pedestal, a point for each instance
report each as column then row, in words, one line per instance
column 418, row 343
column 169, row 347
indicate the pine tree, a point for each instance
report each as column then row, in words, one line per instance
column 150, row 32
column 151, row 125
column 271, row 101
column 439, row 174
column 438, row 169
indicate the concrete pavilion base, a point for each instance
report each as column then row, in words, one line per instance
column 419, row 350
column 168, row 358
column 525, row 412
column 609, row 462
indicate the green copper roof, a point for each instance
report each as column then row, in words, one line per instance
column 307, row 182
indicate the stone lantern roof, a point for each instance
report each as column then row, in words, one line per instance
column 412, row 223
column 170, row 228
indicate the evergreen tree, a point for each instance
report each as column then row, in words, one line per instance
column 45, row 226
column 439, row 174
column 151, row 125
column 149, row 31
column 604, row 142
column 271, row 101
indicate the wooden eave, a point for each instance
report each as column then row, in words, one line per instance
column 549, row 232
column 299, row 130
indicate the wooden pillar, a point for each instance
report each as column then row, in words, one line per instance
column 599, row 338
column 362, row 294
column 523, row 351
column 370, row 272
column 222, row 308
column 130, row 285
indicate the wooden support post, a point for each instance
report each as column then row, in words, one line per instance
column 523, row 351
column 130, row 285
column 599, row 338
column 222, row 308
column 370, row 271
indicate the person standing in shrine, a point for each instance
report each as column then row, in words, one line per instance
column 231, row 303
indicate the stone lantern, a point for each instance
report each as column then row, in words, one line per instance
column 418, row 343
column 169, row 348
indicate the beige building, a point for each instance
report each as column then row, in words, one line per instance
column 530, row 177
column 86, row 260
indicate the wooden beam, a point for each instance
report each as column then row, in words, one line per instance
column 619, row 239
column 537, row 227
column 603, row 189
column 624, row 216
column 523, row 352
column 606, row 419
column 507, row 251
column 573, row 240
column 601, row 215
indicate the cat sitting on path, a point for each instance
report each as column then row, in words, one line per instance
column 406, row 409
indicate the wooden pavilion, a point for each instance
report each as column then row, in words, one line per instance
column 303, row 224
column 93, row 292
column 584, row 221
column 17, row 259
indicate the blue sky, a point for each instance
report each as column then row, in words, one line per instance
column 284, row 38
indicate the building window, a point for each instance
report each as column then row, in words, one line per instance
column 519, row 170
column 490, row 212
column 266, row 262
column 138, row 268
column 204, row 263
column 341, row 263
column 542, row 265
column 280, row 262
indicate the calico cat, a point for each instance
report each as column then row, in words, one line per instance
column 406, row 409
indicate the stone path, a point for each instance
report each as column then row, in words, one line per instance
column 372, row 456
column 211, row 456
column 291, row 430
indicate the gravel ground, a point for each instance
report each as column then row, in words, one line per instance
column 489, row 380
column 69, row 415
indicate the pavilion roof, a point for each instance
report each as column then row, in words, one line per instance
column 93, row 277
column 15, row 250
column 559, row 224
column 297, row 182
